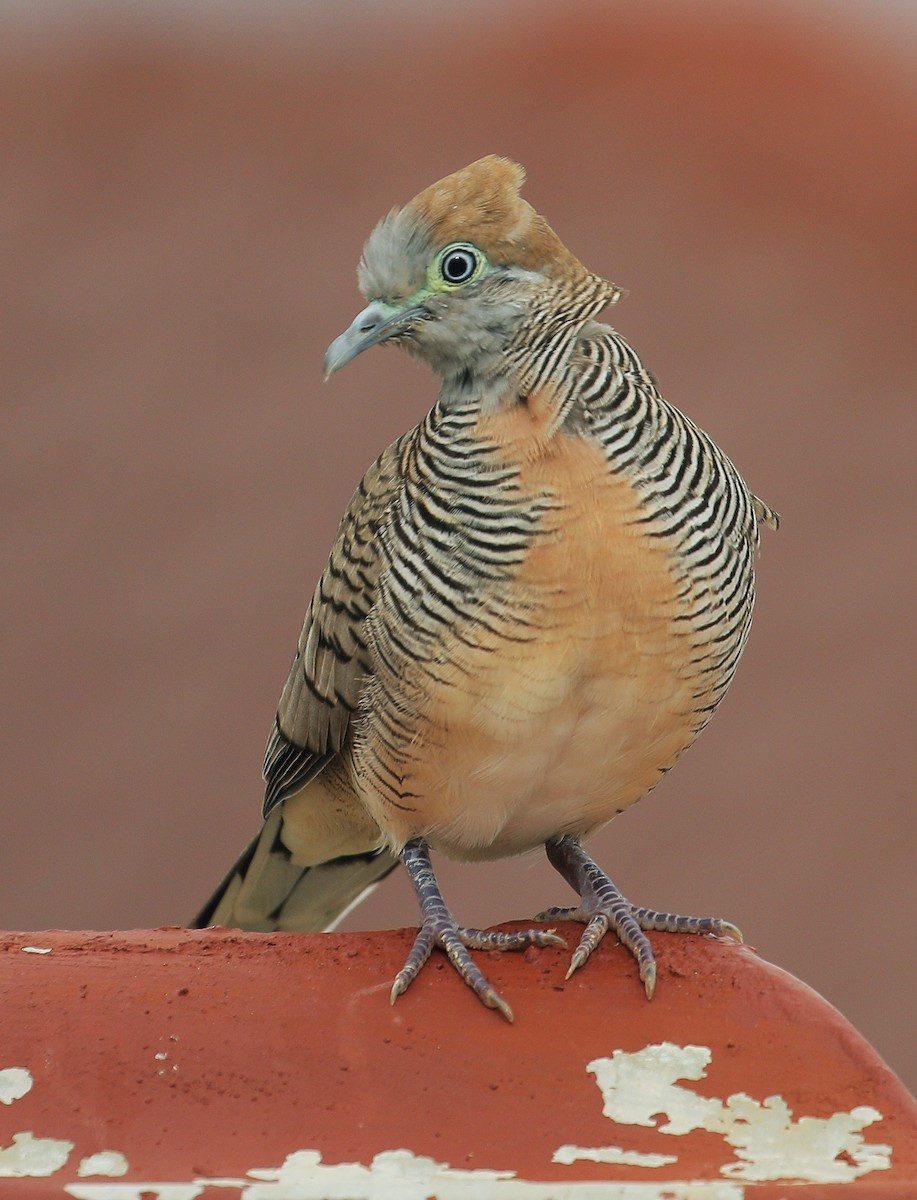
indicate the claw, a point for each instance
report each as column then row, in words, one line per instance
column 439, row 928
column 496, row 939
column 602, row 907
column 493, row 999
column 592, row 935
column 577, row 960
column 420, row 952
column 648, row 975
column 650, row 919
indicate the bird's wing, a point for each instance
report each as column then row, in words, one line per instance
column 323, row 687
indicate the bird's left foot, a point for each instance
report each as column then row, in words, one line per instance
column 602, row 907
column 440, row 928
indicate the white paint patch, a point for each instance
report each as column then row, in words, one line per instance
column 401, row 1175
column 35, row 949
column 637, row 1087
column 610, row 1154
column 33, row 1157
column 15, row 1082
column 392, row 1175
column 143, row 1191
column 107, row 1162
column 771, row 1145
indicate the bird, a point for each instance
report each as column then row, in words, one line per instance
column 535, row 601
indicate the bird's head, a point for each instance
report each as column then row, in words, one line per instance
column 468, row 277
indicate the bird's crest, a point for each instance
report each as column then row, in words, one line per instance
column 481, row 203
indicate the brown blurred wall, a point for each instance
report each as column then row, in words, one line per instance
column 184, row 202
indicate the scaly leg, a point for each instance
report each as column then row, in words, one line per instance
column 440, row 928
column 602, row 907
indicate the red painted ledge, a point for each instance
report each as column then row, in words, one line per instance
column 275, row 1065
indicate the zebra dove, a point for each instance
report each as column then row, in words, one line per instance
column 535, row 600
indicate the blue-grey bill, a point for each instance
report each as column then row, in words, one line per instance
column 376, row 323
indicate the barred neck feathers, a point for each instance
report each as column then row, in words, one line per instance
column 478, row 285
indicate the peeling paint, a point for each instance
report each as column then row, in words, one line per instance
column 640, row 1088
column 636, row 1087
column 610, row 1154
column 772, row 1145
column 15, row 1082
column 401, row 1175
column 32, row 1157
column 144, row 1191
column 106, row 1162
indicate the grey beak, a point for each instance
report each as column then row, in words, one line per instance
column 376, row 323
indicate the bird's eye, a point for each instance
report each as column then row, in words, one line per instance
column 458, row 264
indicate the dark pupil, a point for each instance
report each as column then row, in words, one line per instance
column 458, row 266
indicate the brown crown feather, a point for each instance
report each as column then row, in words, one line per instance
column 481, row 204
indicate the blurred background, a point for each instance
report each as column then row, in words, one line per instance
column 186, row 190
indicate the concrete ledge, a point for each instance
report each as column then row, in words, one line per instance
column 174, row 1064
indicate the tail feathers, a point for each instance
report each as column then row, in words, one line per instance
column 765, row 514
column 325, row 894
column 265, row 891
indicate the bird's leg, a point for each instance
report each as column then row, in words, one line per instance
column 440, row 928
column 602, row 907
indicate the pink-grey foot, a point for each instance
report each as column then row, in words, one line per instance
column 602, row 907
column 439, row 928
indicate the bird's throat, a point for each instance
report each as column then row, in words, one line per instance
column 482, row 390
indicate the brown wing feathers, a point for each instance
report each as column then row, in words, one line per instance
column 323, row 687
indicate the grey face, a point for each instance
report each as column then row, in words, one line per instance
column 446, row 304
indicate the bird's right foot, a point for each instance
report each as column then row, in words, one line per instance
column 440, row 928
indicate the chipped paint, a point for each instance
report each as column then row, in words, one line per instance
column 106, row 1162
column 401, row 1175
column 610, row 1154
column 35, row 949
column 27, row 1156
column 638, row 1086
column 33, row 1157
column 145, row 1191
column 771, row 1145
column 15, row 1082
